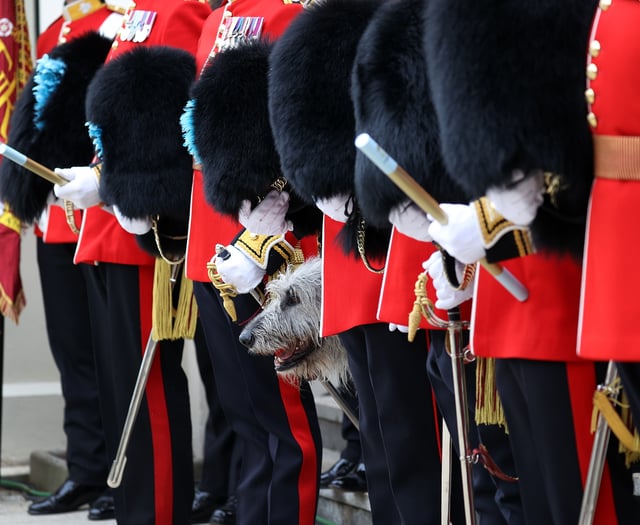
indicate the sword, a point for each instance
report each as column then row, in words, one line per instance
column 598, row 452
column 428, row 204
column 456, row 352
column 34, row 167
column 118, row 465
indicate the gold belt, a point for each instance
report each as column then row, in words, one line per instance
column 616, row 157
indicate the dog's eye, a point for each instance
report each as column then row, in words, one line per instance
column 291, row 299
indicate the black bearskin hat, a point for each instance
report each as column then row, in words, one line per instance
column 507, row 81
column 232, row 134
column 392, row 103
column 48, row 122
column 134, row 105
column 311, row 110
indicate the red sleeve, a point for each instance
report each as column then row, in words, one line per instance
column 48, row 39
column 186, row 25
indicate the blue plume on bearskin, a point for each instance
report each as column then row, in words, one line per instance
column 507, row 81
column 392, row 103
column 311, row 109
column 48, row 120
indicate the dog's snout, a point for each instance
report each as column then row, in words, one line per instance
column 246, row 338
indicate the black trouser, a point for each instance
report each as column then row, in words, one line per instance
column 397, row 424
column 157, row 486
column 219, row 463
column 66, row 309
column 277, row 424
column 496, row 501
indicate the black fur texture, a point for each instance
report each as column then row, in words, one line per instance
column 63, row 141
column 311, row 110
column 136, row 100
column 507, row 80
column 392, row 103
column 233, row 137
column 231, row 128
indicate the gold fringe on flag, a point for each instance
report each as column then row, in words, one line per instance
column 489, row 409
column 169, row 322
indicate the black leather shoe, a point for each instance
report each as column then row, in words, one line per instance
column 227, row 513
column 340, row 468
column 70, row 496
column 103, row 508
column 204, row 503
column 353, row 482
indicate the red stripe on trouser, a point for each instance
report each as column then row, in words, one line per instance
column 157, row 405
column 299, row 425
column 581, row 380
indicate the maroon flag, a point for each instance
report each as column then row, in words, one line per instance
column 15, row 68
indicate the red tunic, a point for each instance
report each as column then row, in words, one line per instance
column 404, row 264
column 350, row 292
column 206, row 226
column 178, row 24
column 541, row 328
column 608, row 309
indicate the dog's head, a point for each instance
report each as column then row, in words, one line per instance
column 289, row 328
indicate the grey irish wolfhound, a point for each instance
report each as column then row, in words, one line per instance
column 289, row 328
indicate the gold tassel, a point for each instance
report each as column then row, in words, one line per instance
column 184, row 326
column 170, row 323
column 489, row 409
column 227, row 291
column 162, row 301
column 415, row 316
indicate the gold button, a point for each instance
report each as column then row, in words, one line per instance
column 114, row 45
column 590, row 95
column 594, row 48
column 605, row 4
column 66, row 30
column 62, row 40
column 592, row 71
column 592, row 120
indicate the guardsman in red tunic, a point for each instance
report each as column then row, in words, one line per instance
column 276, row 421
column 157, row 487
column 519, row 145
column 607, row 329
column 391, row 59
column 48, row 125
column 313, row 124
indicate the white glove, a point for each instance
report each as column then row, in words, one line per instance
column 461, row 236
column 267, row 218
column 137, row 226
column 336, row 207
column 400, row 328
column 410, row 220
column 519, row 203
column 237, row 269
column 82, row 188
column 447, row 297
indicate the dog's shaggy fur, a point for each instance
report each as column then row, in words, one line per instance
column 289, row 328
